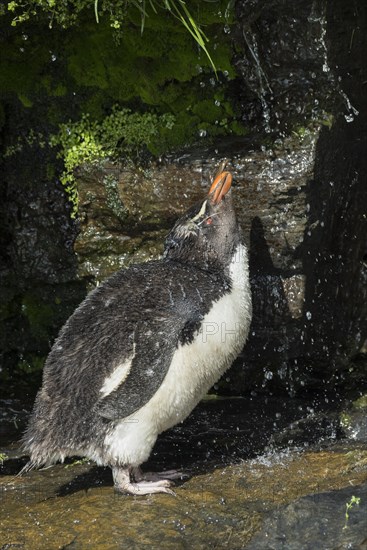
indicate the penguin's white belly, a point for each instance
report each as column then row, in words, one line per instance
column 195, row 367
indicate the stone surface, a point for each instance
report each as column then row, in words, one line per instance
column 293, row 273
column 39, row 288
column 299, row 189
column 130, row 224
column 300, row 194
column 319, row 520
column 242, row 493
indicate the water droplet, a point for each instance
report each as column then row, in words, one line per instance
column 308, row 315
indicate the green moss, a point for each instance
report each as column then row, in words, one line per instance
column 206, row 110
column 84, row 81
column 360, row 403
column 121, row 133
column 238, row 129
column 190, row 14
column 327, row 119
column 50, row 171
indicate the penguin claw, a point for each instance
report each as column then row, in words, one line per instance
column 156, row 476
column 123, row 483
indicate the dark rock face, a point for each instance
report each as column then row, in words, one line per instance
column 296, row 337
column 318, row 520
column 126, row 213
column 38, row 286
column 284, row 63
column 303, row 62
column 335, row 242
column 300, row 191
column 301, row 200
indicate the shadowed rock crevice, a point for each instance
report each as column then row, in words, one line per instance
column 268, row 340
column 335, row 237
column 333, row 249
column 38, row 271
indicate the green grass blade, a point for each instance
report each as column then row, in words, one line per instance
column 190, row 24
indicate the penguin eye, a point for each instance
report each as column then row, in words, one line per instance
column 208, row 221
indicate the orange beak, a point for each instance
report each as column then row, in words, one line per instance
column 220, row 187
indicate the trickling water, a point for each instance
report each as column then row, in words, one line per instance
column 352, row 111
column 335, row 82
column 263, row 83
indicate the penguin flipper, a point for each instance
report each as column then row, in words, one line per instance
column 154, row 345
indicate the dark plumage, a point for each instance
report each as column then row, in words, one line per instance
column 145, row 346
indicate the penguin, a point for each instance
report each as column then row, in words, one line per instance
column 144, row 347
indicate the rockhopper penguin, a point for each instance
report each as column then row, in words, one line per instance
column 144, row 347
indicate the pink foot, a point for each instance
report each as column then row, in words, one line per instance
column 123, row 483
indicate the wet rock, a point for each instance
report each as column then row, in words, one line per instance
column 321, row 520
column 298, row 64
column 276, row 201
column 38, row 282
column 300, row 195
column 310, row 429
column 131, row 225
column 242, row 490
column 274, row 498
column 37, row 232
column 284, row 66
column 354, row 420
column 299, row 189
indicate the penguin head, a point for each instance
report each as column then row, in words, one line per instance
column 207, row 234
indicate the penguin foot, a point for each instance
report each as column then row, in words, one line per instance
column 138, row 475
column 123, row 484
